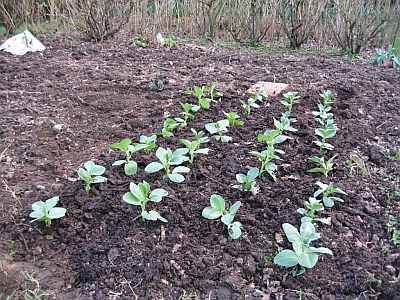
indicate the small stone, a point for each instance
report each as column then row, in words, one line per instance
column 58, row 127
column 359, row 244
column 40, row 187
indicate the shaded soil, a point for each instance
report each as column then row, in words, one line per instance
column 100, row 250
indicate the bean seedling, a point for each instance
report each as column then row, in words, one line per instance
column 266, row 157
column 199, row 136
column 91, row 174
column 324, row 166
column 188, row 111
column 218, row 130
column 312, row 207
column 218, row 210
column 200, row 94
column 140, row 194
column 247, row 182
column 169, row 158
column 272, row 137
column 149, row 141
column 303, row 255
column 290, row 99
column 47, row 211
column 326, row 191
column 260, row 95
column 234, row 119
column 324, row 134
column 327, row 98
column 247, row 106
column 125, row 145
column 168, row 127
column 284, row 124
column 193, row 148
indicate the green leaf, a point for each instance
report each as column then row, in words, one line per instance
column 235, row 230
column 180, row 169
column 37, row 214
column 38, row 205
column 121, row 145
column 321, row 250
column 99, row 179
column 211, row 213
column 176, row 177
column 162, row 155
column 235, row 207
column 217, row 202
column 316, row 170
column 131, row 168
column 308, row 259
column 240, row 178
column 119, row 163
column 157, row 195
column 52, row 202
column 139, row 191
column 291, row 232
column 226, row 139
column 202, row 151
column 286, row 258
column 153, row 216
column 253, row 173
column 84, row 175
column 227, row 219
column 153, row 167
column 131, row 199
column 328, row 202
column 57, row 212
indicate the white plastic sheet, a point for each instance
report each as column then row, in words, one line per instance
column 22, row 43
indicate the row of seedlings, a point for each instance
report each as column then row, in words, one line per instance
column 169, row 161
column 304, row 256
column 219, row 207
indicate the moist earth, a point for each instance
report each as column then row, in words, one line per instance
column 100, row 94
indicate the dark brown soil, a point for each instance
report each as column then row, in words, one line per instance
column 100, row 94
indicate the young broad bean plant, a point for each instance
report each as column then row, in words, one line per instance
column 47, row 211
column 188, row 111
column 309, row 213
column 247, row 106
column 326, row 192
column 290, row 99
column 260, row 95
column 149, row 141
column 213, row 92
column 168, row 159
column 272, row 137
column 218, row 130
column 324, row 167
column 284, row 124
column 193, row 148
column 200, row 94
column 140, row 195
column 327, row 98
column 324, row 116
column 91, row 174
column 218, row 209
column 234, row 119
column 323, row 134
column 126, row 146
column 303, row 255
column 199, row 136
column 267, row 157
column 169, row 127
column 247, row 182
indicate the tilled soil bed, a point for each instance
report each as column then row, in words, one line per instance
column 101, row 250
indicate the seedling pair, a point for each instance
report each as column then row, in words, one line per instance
column 91, row 174
column 309, row 213
column 303, row 255
column 47, row 211
column 234, row 119
column 218, row 130
column 170, row 161
column 267, row 157
column 247, row 182
column 289, row 100
column 169, row 127
column 140, row 195
column 126, row 146
column 324, row 166
column 188, row 111
column 218, row 209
